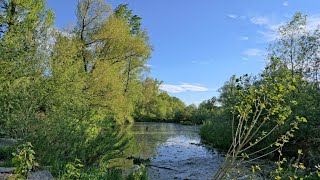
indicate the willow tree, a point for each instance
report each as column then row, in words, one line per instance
column 24, row 29
column 91, row 14
column 114, row 57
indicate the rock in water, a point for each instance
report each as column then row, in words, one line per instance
column 7, row 170
column 40, row 175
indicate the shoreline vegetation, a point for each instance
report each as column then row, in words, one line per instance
column 65, row 94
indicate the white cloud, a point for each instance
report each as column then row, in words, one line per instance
column 244, row 38
column 286, row 3
column 245, row 58
column 253, row 52
column 269, row 26
column 171, row 88
column 202, row 62
column 269, row 35
column 182, row 88
column 235, row 16
column 313, row 22
column 232, row 16
column 260, row 20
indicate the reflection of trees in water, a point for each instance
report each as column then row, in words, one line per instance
column 145, row 137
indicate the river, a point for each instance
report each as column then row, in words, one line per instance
column 175, row 151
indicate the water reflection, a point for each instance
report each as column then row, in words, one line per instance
column 175, row 151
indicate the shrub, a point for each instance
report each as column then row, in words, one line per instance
column 216, row 131
column 141, row 174
column 24, row 160
column 73, row 170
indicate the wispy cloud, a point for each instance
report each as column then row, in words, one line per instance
column 286, row 3
column 269, row 27
column 235, row 16
column 268, row 35
column 232, row 16
column 313, row 22
column 253, row 52
column 201, row 62
column 244, row 38
column 205, row 61
column 245, row 58
column 184, row 87
column 260, row 20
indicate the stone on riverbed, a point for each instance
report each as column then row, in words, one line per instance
column 6, row 170
column 6, row 173
column 40, row 175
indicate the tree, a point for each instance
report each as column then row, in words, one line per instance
column 67, row 92
column 91, row 15
column 254, row 111
column 24, row 35
column 227, row 92
column 298, row 47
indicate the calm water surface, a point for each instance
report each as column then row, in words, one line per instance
column 175, row 151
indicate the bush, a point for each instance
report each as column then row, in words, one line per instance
column 186, row 123
column 6, row 152
column 141, row 174
column 217, row 132
column 108, row 174
column 24, row 160
column 73, row 170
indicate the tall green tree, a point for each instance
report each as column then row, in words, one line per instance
column 91, row 15
column 24, row 33
column 297, row 46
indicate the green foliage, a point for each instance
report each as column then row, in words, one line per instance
column 73, row 170
column 6, row 155
column 297, row 48
column 290, row 169
column 134, row 21
column 24, row 160
column 25, row 28
column 207, row 110
column 274, row 103
column 6, row 152
column 157, row 105
column 107, row 174
column 186, row 123
column 216, row 130
column 260, row 109
column 318, row 170
column 68, row 92
column 141, row 174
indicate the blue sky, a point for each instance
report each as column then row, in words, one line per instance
column 198, row 45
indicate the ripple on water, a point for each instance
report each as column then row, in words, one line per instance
column 178, row 152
